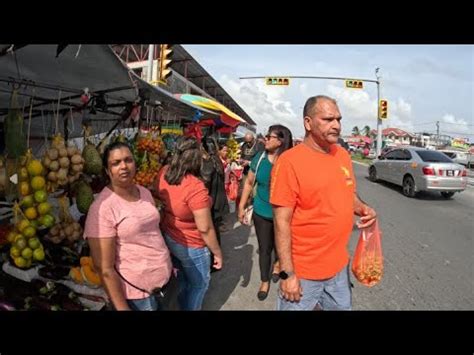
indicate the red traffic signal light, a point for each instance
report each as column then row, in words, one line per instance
column 383, row 109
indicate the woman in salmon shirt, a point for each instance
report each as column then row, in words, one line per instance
column 126, row 244
column 187, row 224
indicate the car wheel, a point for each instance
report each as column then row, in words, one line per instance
column 373, row 174
column 447, row 195
column 409, row 187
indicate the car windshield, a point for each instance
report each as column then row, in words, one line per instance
column 450, row 154
column 433, row 156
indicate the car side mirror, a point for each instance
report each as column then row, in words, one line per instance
column 381, row 157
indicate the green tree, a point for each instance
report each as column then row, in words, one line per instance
column 366, row 131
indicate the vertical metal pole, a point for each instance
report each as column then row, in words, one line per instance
column 379, row 122
column 437, row 134
column 151, row 51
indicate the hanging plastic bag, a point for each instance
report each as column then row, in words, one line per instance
column 233, row 188
column 367, row 265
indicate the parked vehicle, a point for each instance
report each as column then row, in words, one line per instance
column 459, row 157
column 418, row 169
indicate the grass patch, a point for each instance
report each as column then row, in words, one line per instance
column 360, row 158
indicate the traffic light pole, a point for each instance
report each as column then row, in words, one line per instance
column 379, row 121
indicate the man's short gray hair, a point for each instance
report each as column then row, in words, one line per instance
column 310, row 105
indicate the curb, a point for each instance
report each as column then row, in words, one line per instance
column 358, row 162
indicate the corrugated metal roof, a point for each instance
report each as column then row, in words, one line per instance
column 201, row 78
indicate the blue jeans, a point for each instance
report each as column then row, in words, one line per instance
column 194, row 273
column 144, row 304
column 331, row 294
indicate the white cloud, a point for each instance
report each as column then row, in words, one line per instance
column 267, row 105
column 455, row 126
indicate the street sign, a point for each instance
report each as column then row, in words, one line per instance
column 277, row 81
column 354, row 84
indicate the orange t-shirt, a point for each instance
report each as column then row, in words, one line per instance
column 179, row 203
column 320, row 189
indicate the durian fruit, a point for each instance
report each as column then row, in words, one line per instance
column 93, row 162
column 84, row 196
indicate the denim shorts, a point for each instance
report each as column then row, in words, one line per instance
column 144, row 304
column 331, row 294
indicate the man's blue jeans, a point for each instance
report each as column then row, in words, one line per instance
column 331, row 294
column 194, row 273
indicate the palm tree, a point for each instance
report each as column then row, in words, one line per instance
column 355, row 131
column 366, row 131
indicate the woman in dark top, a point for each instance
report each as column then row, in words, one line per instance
column 212, row 172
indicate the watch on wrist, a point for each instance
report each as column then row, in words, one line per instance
column 285, row 274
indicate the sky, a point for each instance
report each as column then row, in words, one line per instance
column 422, row 83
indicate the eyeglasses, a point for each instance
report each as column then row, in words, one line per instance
column 268, row 136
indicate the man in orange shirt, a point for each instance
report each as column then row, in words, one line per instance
column 313, row 193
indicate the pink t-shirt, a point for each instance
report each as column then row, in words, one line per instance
column 141, row 253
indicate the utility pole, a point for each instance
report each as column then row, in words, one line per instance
column 379, row 121
column 437, row 134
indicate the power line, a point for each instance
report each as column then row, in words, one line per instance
column 441, row 122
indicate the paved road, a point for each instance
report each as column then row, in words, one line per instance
column 428, row 251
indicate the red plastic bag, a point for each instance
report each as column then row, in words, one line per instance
column 233, row 188
column 367, row 265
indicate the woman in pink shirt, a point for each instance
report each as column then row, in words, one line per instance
column 187, row 223
column 126, row 244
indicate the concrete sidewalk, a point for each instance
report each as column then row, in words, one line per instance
column 235, row 287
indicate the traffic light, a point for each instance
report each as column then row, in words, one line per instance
column 354, row 84
column 165, row 70
column 383, row 109
column 277, row 81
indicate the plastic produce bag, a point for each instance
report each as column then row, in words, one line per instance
column 367, row 265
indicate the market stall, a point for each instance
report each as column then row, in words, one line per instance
column 59, row 105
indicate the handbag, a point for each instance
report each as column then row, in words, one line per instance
column 248, row 211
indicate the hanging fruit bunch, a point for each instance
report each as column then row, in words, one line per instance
column 150, row 141
column 32, row 212
column 67, row 229
column 234, row 149
column 63, row 164
column 148, row 152
column 148, row 170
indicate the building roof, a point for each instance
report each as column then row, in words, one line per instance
column 186, row 66
column 393, row 131
column 201, row 78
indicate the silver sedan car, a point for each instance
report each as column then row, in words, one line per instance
column 418, row 169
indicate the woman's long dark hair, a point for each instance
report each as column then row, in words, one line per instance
column 211, row 146
column 187, row 159
column 284, row 135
